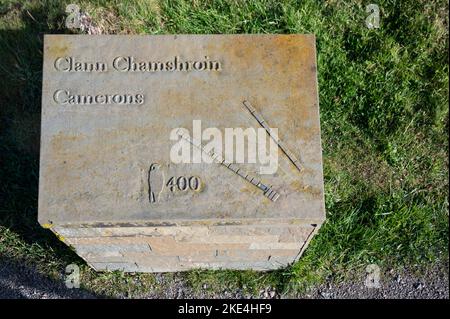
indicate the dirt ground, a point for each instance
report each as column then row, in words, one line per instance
column 19, row 281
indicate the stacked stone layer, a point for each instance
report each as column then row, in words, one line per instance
column 178, row 248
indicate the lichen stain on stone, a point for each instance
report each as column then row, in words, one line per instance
column 298, row 186
column 59, row 50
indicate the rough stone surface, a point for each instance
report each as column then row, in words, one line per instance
column 109, row 106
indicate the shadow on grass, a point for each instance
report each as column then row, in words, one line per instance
column 21, row 42
column 18, row 281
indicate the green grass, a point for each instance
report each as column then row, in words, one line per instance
column 384, row 118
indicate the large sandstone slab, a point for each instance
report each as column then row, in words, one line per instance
column 108, row 184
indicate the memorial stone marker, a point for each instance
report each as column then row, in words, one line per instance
column 172, row 152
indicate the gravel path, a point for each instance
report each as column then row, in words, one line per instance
column 406, row 284
column 19, row 281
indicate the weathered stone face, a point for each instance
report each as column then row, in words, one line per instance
column 117, row 112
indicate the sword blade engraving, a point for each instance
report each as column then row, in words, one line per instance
column 259, row 118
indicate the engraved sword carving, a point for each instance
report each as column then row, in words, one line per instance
column 259, row 118
column 268, row 191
